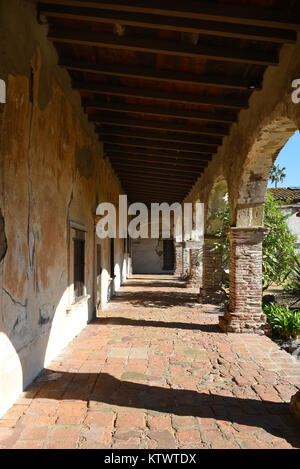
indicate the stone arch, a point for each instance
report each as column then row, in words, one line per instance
column 247, row 219
column 211, row 291
column 216, row 201
column 248, row 208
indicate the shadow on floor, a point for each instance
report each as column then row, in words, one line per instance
column 273, row 417
column 155, row 299
column 156, row 284
column 122, row 321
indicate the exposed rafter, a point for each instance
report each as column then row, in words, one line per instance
column 144, row 175
column 152, row 111
column 149, row 124
column 192, row 25
column 135, row 145
column 138, row 152
column 161, row 168
column 179, row 49
column 200, row 140
column 163, row 82
column 236, row 14
column 147, row 73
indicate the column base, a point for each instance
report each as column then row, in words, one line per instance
column 244, row 323
column 211, row 297
column 295, row 406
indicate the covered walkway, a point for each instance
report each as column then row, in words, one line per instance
column 157, row 372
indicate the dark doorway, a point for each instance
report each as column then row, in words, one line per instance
column 168, row 253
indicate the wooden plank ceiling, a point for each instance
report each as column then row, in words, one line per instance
column 164, row 81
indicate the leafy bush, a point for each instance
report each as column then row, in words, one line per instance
column 294, row 279
column 278, row 247
column 284, row 321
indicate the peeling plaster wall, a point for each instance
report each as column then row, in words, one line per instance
column 52, row 174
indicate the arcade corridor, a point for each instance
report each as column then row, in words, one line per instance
column 157, row 372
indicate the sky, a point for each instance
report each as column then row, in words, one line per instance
column 289, row 157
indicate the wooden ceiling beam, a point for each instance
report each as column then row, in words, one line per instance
column 155, row 46
column 151, row 177
column 136, row 145
column 167, row 169
column 139, row 154
column 188, row 141
column 154, row 191
column 147, row 110
column 144, row 162
column 148, row 124
column 191, row 25
column 282, row 18
column 147, row 73
column 143, row 175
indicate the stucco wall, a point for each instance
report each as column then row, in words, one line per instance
column 52, row 174
column 147, row 256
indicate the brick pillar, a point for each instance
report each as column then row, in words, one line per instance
column 245, row 281
column 195, row 276
column 178, row 259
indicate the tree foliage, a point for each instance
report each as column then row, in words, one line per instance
column 293, row 285
column 277, row 174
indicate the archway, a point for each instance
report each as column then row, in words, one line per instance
column 211, row 291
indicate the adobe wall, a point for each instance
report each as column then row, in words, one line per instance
column 52, row 174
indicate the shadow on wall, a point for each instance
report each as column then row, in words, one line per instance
column 34, row 340
column 21, row 358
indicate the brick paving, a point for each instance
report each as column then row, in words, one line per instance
column 157, row 372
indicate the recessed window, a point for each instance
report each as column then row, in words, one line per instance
column 79, row 257
column 112, row 258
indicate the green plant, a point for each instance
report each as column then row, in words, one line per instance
column 278, row 247
column 277, row 174
column 223, row 243
column 284, row 321
column 294, row 279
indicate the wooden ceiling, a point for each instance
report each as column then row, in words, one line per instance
column 163, row 81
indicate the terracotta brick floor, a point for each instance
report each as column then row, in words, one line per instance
column 156, row 372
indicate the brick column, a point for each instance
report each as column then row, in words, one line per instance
column 195, row 276
column 178, row 259
column 211, row 291
column 245, row 279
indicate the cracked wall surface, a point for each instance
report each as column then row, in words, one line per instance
column 52, row 174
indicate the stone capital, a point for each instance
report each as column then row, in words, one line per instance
column 252, row 234
column 193, row 244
